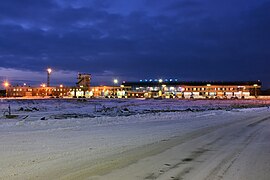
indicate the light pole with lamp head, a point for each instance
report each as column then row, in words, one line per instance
column 115, row 82
column 255, row 89
column 6, row 85
column 49, row 71
column 208, row 90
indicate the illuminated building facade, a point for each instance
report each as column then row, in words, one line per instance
column 142, row 89
column 26, row 91
column 176, row 89
column 82, row 89
column 110, row 91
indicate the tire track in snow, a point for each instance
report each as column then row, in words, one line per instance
column 225, row 164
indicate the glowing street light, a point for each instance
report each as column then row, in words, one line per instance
column 61, row 85
column 160, row 80
column 255, row 89
column 43, row 85
column 6, row 85
column 49, row 71
column 208, row 89
column 115, row 81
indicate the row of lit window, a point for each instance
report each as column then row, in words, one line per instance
column 215, row 89
column 18, row 90
column 189, row 89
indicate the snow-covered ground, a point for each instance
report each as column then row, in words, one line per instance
column 128, row 139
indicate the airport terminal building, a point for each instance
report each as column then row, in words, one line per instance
column 143, row 89
column 178, row 89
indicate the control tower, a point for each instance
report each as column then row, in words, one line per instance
column 84, row 81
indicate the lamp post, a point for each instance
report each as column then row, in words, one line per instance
column 43, row 89
column 208, row 90
column 115, row 82
column 160, row 93
column 49, row 71
column 6, row 84
column 255, row 89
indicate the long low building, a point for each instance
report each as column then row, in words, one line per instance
column 68, row 92
column 27, row 91
column 167, row 89
column 178, row 89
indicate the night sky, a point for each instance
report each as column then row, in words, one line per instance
column 191, row 40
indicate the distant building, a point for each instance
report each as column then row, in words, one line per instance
column 26, row 91
column 110, row 91
column 84, row 81
column 82, row 89
column 143, row 89
column 176, row 89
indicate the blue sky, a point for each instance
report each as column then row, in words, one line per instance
column 136, row 39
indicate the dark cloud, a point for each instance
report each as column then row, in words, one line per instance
column 192, row 40
column 185, row 5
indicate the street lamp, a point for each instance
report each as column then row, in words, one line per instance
column 42, row 91
column 43, row 85
column 6, row 85
column 115, row 82
column 255, row 89
column 49, row 71
column 208, row 89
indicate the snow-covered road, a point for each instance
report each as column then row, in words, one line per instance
column 211, row 144
column 237, row 150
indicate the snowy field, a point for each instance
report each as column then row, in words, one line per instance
column 135, row 139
